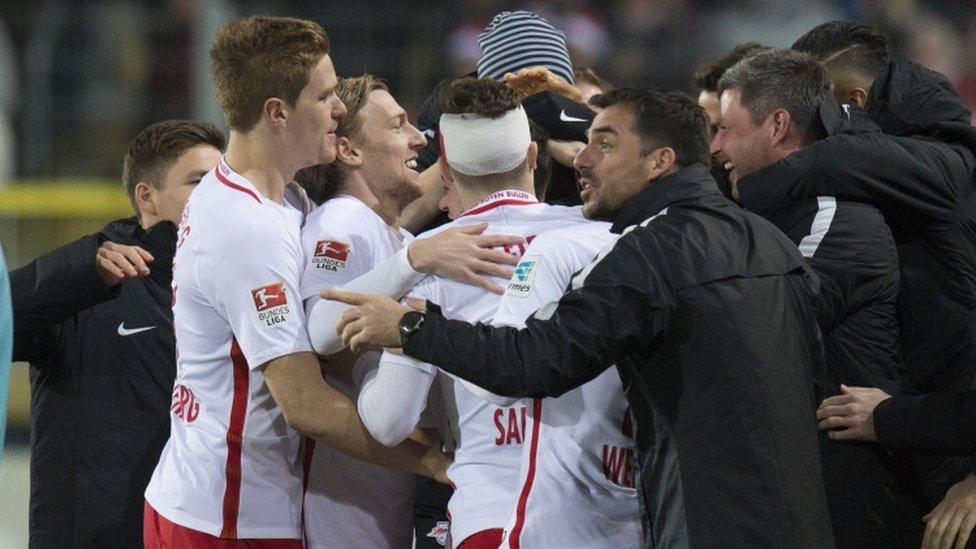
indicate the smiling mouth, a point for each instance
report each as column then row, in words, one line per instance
column 412, row 163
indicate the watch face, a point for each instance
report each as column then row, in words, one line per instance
column 410, row 323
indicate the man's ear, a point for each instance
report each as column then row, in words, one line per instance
column 348, row 153
column 275, row 111
column 660, row 162
column 859, row 96
column 145, row 195
column 780, row 125
column 532, row 156
column 445, row 169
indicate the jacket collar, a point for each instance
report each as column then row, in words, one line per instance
column 766, row 190
column 159, row 240
column 909, row 99
column 693, row 181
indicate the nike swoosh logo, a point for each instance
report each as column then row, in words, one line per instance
column 566, row 118
column 123, row 331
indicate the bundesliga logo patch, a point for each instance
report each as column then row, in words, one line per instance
column 271, row 303
column 331, row 255
column 521, row 283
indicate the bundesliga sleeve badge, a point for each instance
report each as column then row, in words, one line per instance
column 271, row 303
column 331, row 255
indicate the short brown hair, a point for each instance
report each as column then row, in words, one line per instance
column 543, row 162
column 708, row 76
column 483, row 97
column 663, row 118
column 589, row 76
column 152, row 153
column 325, row 181
column 260, row 57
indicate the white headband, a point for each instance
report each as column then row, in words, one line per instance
column 479, row 145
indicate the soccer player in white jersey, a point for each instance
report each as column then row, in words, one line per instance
column 247, row 382
column 489, row 156
column 576, row 487
column 350, row 503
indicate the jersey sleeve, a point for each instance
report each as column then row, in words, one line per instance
column 257, row 292
column 393, row 396
column 540, row 277
column 332, row 257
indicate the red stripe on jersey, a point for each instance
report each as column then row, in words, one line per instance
column 495, row 204
column 516, row 533
column 235, row 437
column 233, row 185
column 306, row 468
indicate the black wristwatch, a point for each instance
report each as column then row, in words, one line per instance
column 409, row 324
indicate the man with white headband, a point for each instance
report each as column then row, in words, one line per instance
column 490, row 158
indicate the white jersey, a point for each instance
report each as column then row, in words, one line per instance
column 577, row 475
column 232, row 466
column 488, row 437
column 348, row 502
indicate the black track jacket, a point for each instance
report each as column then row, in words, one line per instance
column 919, row 174
column 709, row 313
column 851, row 249
column 102, row 369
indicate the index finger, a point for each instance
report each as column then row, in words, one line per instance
column 496, row 240
column 145, row 255
column 836, row 400
column 349, row 298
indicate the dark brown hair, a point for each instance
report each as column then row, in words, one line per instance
column 847, row 46
column 590, row 76
column 708, row 76
column 153, row 152
column 260, row 57
column 664, row 118
column 483, row 97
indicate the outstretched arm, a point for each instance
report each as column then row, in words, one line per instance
column 462, row 254
column 606, row 316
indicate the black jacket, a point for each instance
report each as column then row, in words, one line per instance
column 100, row 386
column 851, row 249
column 709, row 313
column 919, row 174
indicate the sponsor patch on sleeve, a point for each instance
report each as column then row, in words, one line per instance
column 521, row 283
column 271, row 303
column 439, row 532
column 331, row 255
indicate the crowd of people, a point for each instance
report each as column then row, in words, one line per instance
column 550, row 312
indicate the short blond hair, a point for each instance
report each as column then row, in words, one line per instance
column 354, row 93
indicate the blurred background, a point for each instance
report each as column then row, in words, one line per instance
column 78, row 79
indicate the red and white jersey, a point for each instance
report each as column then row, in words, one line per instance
column 577, row 475
column 488, row 437
column 348, row 502
column 232, row 467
